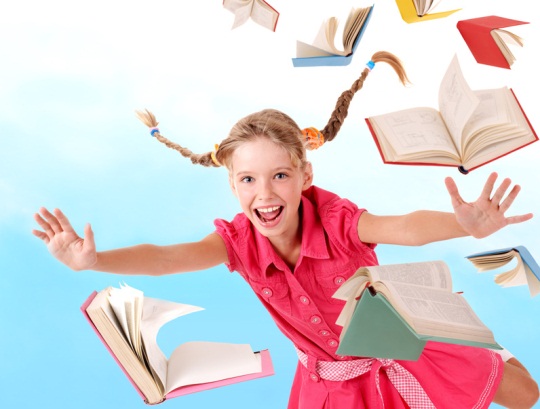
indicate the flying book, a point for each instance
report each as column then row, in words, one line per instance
column 259, row 10
column 127, row 322
column 391, row 311
column 414, row 11
column 323, row 51
column 489, row 42
column 470, row 128
column 525, row 272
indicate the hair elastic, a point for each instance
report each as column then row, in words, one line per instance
column 313, row 137
column 370, row 64
column 154, row 130
column 213, row 155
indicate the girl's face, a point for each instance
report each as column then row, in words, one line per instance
column 269, row 187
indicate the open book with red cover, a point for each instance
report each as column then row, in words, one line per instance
column 192, row 366
column 488, row 41
column 468, row 130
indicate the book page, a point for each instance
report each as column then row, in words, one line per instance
column 262, row 13
column 241, row 10
column 497, row 127
column 353, row 25
column 435, row 274
column 414, row 134
column 436, row 312
column 325, row 38
column 457, row 103
column 201, row 362
column 127, row 305
column 157, row 313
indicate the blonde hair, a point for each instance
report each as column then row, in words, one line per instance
column 275, row 125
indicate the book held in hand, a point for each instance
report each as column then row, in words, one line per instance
column 525, row 272
column 414, row 11
column 470, row 128
column 127, row 322
column 323, row 51
column 391, row 311
column 259, row 10
column 489, row 42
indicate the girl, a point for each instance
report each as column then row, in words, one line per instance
column 295, row 243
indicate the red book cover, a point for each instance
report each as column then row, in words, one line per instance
column 477, row 35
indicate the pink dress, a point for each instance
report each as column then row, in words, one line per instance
column 301, row 304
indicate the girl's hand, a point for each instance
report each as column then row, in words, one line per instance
column 485, row 216
column 62, row 241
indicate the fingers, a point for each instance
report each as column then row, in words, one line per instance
column 51, row 223
column 452, row 189
column 89, row 238
column 488, row 187
column 519, row 219
column 63, row 221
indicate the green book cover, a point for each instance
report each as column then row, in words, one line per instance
column 378, row 330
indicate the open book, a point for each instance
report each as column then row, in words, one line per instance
column 525, row 271
column 470, row 128
column 127, row 323
column 259, row 10
column 488, row 42
column 414, row 11
column 391, row 311
column 323, row 50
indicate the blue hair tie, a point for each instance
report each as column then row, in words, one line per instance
column 153, row 131
column 370, row 64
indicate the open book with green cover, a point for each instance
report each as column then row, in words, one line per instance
column 391, row 311
column 469, row 129
column 127, row 323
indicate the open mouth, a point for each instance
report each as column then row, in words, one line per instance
column 268, row 214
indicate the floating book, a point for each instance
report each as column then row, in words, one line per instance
column 391, row 311
column 487, row 40
column 323, row 51
column 414, row 11
column 470, row 128
column 525, row 272
column 128, row 323
column 259, row 10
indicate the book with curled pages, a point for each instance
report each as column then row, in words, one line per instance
column 489, row 42
column 127, row 322
column 469, row 129
column 323, row 50
column 391, row 311
column 414, row 11
column 260, row 11
column 525, row 271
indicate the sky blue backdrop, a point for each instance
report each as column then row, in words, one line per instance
column 72, row 74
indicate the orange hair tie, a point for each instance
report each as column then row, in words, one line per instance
column 313, row 137
column 213, row 155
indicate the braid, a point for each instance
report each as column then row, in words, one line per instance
column 342, row 105
column 150, row 121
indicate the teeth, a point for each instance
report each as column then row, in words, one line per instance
column 269, row 209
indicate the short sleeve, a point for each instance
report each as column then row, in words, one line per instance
column 228, row 233
column 340, row 217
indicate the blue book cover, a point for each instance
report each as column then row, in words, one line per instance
column 333, row 60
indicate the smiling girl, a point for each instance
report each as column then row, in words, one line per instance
column 295, row 244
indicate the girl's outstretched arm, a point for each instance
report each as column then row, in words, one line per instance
column 479, row 219
column 80, row 253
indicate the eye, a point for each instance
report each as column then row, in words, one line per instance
column 246, row 179
column 281, row 176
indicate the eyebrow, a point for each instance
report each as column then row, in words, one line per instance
column 274, row 170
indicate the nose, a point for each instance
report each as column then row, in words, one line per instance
column 265, row 190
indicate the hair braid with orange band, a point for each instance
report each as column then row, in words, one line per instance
column 277, row 126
